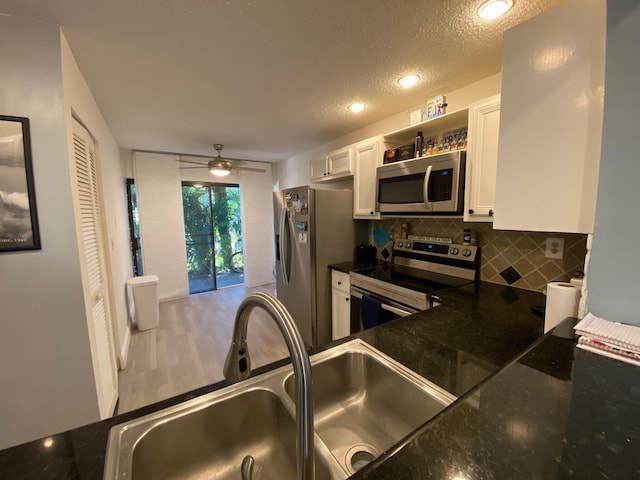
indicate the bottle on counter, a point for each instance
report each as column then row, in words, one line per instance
column 419, row 142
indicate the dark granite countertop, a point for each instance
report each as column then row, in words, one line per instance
column 558, row 412
column 536, row 418
column 347, row 267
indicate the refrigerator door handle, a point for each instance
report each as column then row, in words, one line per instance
column 284, row 248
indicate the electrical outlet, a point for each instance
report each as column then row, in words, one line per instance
column 555, row 248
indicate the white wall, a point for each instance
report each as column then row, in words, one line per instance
column 159, row 195
column 294, row 171
column 613, row 279
column 45, row 360
column 79, row 102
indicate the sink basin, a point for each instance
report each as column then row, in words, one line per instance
column 208, row 440
column 211, row 442
column 364, row 403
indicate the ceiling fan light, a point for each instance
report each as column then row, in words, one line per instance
column 220, row 171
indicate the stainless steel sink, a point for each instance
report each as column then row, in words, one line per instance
column 211, row 442
column 364, row 403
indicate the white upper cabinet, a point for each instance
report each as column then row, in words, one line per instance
column 335, row 166
column 367, row 158
column 482, row 158
column 551, row 120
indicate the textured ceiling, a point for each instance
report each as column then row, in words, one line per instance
column 268, row 79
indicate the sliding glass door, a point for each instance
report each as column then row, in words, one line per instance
column 213, row 235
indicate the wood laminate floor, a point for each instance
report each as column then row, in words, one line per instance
column 189, row 347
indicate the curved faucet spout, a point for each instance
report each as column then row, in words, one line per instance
column 237, row 367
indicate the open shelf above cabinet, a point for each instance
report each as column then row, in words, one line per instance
column 433, row 126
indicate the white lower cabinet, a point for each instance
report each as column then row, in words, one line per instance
column 482, row 160
column 340, row 305
column 367, row 159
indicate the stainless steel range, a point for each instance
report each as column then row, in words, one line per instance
column 420, row 269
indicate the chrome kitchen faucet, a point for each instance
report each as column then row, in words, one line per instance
column 237, row 367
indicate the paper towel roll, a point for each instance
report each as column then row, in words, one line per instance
column 562, row 302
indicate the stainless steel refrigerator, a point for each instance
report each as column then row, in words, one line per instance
column 313, row 229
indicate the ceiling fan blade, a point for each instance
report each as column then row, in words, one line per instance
column 187, row 168
column 195, row 163
column 248, row 169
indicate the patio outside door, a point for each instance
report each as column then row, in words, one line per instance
column 213, row 235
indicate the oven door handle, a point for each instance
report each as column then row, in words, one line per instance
column 425, row 187
column 384, row 306
column 397, row 311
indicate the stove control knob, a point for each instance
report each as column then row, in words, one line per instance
column 408, row 245
column 399, row 244
column 466, row 252
column 454, row 251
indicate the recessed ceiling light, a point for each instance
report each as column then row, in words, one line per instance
column 409, row 80
column 356, row 107
column 494, row 8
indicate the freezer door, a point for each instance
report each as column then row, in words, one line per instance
column 293, row 257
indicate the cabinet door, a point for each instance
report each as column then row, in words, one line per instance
column 551, row 120
column 318, row 169
column 482, row 159
column 366, row 159
column 339, row 163
column 340, row 305
column 340, row 314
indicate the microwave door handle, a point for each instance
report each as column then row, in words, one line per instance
column 284, row 250
column 425, row 187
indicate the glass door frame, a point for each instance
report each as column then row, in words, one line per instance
column 209, row 185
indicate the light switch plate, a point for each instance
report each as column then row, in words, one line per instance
column 554, row 248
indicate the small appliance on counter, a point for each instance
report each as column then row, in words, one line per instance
column 366, row 254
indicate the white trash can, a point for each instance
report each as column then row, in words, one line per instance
column 143, row 301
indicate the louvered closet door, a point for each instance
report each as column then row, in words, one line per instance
column 94, row 278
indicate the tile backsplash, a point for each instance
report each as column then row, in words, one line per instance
column 507, row 257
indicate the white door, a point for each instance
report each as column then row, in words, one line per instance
column 92, row 259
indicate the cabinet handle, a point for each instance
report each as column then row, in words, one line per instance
column 346, row 299
column 471, row 211
column 339, row 283
column 491, row 213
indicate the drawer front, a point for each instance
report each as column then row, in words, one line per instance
column 340, row 281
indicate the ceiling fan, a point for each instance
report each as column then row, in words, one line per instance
column 219, row 166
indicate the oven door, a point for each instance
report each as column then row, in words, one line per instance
column 391, row 310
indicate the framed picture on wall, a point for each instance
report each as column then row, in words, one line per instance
column 18, row 216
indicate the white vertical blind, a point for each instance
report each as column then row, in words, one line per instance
column 93, row 259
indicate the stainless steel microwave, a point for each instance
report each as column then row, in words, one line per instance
column 431, row 185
